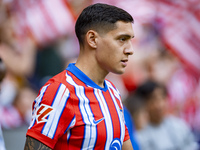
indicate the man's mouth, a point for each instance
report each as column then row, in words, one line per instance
column 124, row 62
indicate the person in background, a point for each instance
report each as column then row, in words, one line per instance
column 136, row 107
column 164, row 131
column 79, row 108
column 18, row 55
column 2, row 74
column 131, row 128
column 135, row 115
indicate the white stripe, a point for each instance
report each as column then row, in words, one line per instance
column 72, row 123
column 68, row 134
column 90, row 134
column 106, row 114
column 37, row 102
column 120, row 115
column 58, row 113
column 116, row 92
column 84, row 115
column 56, row 104
column 70, row 126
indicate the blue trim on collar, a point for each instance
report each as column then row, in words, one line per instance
column 84, row 78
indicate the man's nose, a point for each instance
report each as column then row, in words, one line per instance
column 129, row 48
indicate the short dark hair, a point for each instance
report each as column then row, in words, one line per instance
column 134, row 103
column 146, row 89
column 99, row 17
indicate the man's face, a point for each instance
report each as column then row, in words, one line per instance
column 114, row 47
column 157, row 106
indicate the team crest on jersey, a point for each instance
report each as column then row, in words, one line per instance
column 43, row 112
column 116, row 144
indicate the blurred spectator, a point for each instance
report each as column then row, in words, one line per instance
column 136, row 107
column 131, row 129
column 2, row 74
column 163, row 131
column 135, row 116
column 18, row 55
column 23, row 102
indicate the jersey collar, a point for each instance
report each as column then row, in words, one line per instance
column 84, row 78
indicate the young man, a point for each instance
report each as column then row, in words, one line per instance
column 78, row 108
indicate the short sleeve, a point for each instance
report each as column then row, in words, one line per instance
column 126, row 137
column 52, row 114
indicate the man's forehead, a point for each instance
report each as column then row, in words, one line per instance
column 124, row 28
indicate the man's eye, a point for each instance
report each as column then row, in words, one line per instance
column 122, row 39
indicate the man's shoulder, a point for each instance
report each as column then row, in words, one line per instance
column 58, row 80
column 60, row 77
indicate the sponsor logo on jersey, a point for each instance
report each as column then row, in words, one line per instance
column 98, row 121
column 43, row 112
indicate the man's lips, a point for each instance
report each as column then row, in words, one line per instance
column 124, row 62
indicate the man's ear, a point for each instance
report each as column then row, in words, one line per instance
column 91, row 38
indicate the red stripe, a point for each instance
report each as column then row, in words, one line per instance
column 113, row 114
column 71, row 109
column 96, row 110
column 77, row 132
column 76, row 80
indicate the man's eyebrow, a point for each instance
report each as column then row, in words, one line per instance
column 126, row 35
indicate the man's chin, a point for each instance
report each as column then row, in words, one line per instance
column 119, row 71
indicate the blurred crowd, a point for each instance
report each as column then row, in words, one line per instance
column 37, row 41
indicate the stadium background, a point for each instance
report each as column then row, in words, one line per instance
column 40, row 40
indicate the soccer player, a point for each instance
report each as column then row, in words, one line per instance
column 79, row 108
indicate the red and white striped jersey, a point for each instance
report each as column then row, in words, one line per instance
column 73, row 112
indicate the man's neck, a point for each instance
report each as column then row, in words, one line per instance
column 91, row 68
